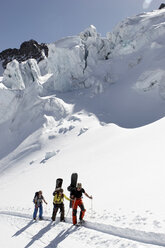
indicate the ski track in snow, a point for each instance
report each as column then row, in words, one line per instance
column 149, row 238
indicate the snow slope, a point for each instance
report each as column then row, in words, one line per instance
column 94, row 106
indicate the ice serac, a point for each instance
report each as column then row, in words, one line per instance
column 93, row 63
column 136, row 33
column 68, row 66
column 87, row 60
column 81, row 61
column 24, row 105
column 24, row 84
column 71, row 61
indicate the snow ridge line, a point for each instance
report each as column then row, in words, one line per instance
column 126, row 233
column 16, row 214
column 130, row 234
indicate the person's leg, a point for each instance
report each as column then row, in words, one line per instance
column 62, row 211
column 40, row 211
column 74, row 213
column 35, row 212
column 82, row 212
column 55, row 210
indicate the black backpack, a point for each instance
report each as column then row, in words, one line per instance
column 36, row 195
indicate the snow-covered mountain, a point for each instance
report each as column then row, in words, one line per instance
column 94, row 105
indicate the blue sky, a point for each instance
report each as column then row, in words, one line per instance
column 50, row 20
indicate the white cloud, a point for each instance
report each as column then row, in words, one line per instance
column 146, row 3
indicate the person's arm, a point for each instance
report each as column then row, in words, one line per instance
column 44, row 200
column 90, row 197
column 72, row 197
column 67, row 198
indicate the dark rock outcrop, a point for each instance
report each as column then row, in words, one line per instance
column 162, row 6
column 28, row 49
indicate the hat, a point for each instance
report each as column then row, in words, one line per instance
column 79, row 185
column 57, row 189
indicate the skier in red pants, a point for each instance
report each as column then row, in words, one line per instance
column 77, row 201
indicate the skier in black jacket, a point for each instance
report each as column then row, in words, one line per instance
column 77, row 201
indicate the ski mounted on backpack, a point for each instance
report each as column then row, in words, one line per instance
column 58, row 186
column 72, row 185
column 59, row 182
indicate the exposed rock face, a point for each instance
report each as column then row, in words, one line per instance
column 162, row 6
column 28, row 49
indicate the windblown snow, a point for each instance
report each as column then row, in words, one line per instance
column 94, row 106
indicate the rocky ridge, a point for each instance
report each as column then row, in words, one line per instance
column 28, row 49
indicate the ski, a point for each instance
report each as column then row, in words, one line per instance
column 80, row 223
column 72, row 185
column 59, row 182
column 53, row 223
column 34, row 220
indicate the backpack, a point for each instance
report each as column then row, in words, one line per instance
column 58, row 199
column 35, row 196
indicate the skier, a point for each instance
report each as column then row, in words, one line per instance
column 38, row 199
column 77, row 201
column 59, row 204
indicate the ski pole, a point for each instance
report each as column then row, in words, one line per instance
column 46, row 209
column 73, row 205
column 91, row 208
column 68, row 211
